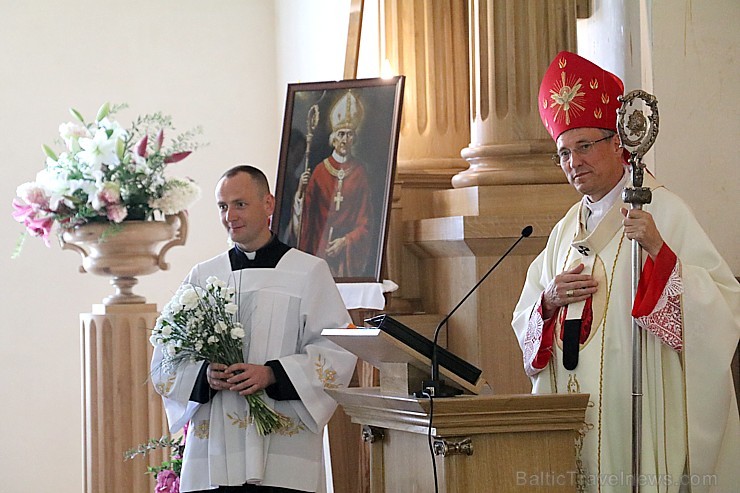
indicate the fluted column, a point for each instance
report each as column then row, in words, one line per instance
column 121, row 408
column 511, row 45
column 426, row 40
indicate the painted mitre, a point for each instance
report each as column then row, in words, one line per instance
column 346, row 113
column 576, row 93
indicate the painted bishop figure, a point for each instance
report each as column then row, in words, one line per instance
column 332, row 211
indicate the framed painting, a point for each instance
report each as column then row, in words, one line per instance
column 336, row 170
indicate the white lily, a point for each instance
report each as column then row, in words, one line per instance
column 99, row 150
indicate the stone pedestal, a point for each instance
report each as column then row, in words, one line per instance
column 121, row 409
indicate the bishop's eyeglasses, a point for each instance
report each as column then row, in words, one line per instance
column 564, row 155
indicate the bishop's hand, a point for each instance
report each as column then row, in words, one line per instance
column 568, row 287
column 639, row 225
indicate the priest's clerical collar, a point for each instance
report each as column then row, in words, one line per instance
column 338, row 158
column 595, row 211
column 266, row 257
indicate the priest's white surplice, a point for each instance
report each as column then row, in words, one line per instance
column 283, row 311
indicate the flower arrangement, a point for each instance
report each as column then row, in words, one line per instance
column 198, row 324
column 167, row 474
column 107, row 174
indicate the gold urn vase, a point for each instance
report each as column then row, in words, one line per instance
column 126, row 250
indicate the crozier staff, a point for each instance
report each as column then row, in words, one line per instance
column 573, row 318
column 286, row 298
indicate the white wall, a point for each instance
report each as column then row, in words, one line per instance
column 686, row 54
column 696, row 73
column 215, row 64
column 194, row 60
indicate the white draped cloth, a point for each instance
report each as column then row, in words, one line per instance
column 283, row 310
column 690, row 419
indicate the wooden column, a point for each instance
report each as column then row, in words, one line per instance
column 511, row 45
column 427, row 42
column 510, row 183
column 121, row 409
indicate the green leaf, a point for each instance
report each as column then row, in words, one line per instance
column 19, row 245
column 103, row 112
column 49, row 152
column 77, row 115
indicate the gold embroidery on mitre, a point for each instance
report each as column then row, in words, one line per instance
column 567, row 96
column 597, row 113
column 605, row 98
column 165, row 388
column 202, row 429
column 562, row 62
column 594, row 84
column 291, row 428
column 328, row 376
column 242, row 422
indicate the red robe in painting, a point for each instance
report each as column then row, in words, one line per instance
column 321, row 217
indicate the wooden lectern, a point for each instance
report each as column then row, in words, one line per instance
column 481, row 443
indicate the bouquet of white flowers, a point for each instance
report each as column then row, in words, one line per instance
column 198, row 325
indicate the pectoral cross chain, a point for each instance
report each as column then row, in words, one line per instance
column 338, row 198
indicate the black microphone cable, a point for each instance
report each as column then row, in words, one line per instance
column 526, row 232
column 429, row 439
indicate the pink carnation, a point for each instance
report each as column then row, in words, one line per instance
column 167, row 482
column 32, row 193
column 116, row 212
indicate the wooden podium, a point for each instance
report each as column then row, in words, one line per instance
column 505, row 443
column 481, row 443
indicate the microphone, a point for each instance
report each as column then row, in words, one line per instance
column 436, row 387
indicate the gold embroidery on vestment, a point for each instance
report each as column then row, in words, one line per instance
column 291, row 428
column 202, row 429
column 164, row 388
column 326, row 376
column 574, row 386
column 242, row 422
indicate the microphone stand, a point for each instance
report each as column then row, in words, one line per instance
column 436, row 386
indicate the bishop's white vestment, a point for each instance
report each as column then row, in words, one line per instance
column 688, row 304
column 283, row 311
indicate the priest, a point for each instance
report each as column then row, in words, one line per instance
column 285, row 299
column 574, row 317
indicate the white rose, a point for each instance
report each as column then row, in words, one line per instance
column 212, row 340
column 221, row 327
column 237, row 333
column 231, row 308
